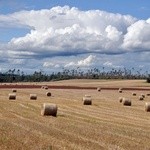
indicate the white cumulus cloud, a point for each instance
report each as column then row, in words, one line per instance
column 49, row 64
column 82, row 63
column 65, row 30
column 87, row 61
column 138, row 36
column 111, row 65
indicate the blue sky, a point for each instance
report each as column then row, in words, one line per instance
column 52, row 34
column 136, row 8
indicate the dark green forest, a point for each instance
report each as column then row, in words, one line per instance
column 16, row 75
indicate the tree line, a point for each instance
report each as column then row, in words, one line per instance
column 16, row 75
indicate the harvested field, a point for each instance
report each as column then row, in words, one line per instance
column 104, row 125
column 84, row 84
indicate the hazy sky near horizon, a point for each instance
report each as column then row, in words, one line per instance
column 50, row 35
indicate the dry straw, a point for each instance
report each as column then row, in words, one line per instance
column 87, row 101
column 48, row 94
column 49, row 109
column 12, row 96
column 33, row 96
column 126, row 102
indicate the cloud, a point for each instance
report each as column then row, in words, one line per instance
column 49, row 64
column 87, row 61
column 82, row 63
column 107, row 63
column 69, row 31
column 112, row 33
column 93, row 37
column 111, row 65
column 137, row 37
column 17, row 61
column 70, row 64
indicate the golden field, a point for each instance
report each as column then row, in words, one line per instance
column 104, row 125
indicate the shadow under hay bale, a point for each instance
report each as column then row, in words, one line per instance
column 12, row 96
column 126, row 102
column 48, row 94
column 148, row 94
column 147, row 106
column 33, row 97
column 87, row 101
column 49, row 109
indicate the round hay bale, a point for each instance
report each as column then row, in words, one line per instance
column 12, row 96
column 48, row 94
column 126, row 102
column 87, row 95
column 46, row 87
column 14, row 90
column 141, row 98
column 143, row 95
column 120, row 90
column 49, row 109
column 42, row 87
column 87, row 101
column 147, row 106
column 134, row 94
column 33, row 96
column 98, row 89
column 120, row 99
